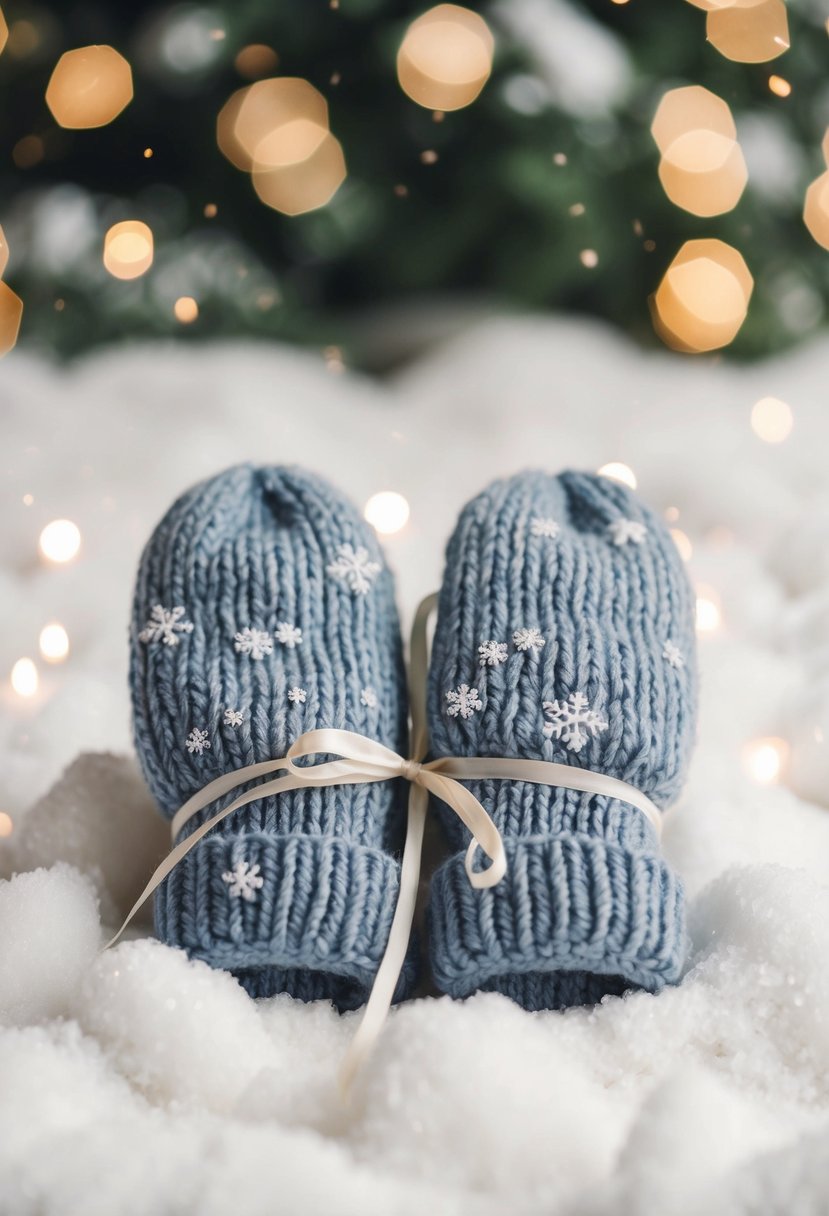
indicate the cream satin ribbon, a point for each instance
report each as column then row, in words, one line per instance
column 364, row 760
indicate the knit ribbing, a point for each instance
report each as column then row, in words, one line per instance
column 293, row 893
column 582, row 592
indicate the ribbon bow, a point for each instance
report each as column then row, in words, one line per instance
column 363, row 760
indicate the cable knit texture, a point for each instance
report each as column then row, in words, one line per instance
column 271, row 551
column 588, row 905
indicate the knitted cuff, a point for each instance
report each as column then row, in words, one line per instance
column 307, row 915
column 587, row 907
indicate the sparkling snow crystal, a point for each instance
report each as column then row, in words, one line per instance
column 673, row 655
column 368, row 697
column 243, row 881
column 165, row 625
column 353, row 567
column 528, row 639
column 297, row 695
column 233, row 717
column 572, row 721
column 255, row 642
column 463, row 700
column 544, row 527
column 197, row 741
column 624, row 530
column 288, row 635
column 492, row 653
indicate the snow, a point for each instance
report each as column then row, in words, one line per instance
column 137, row 1081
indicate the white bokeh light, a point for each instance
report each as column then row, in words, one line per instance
column 771, row 420
column 387, row 512
column 60, row 540
column 617, row 471
column 764, row 759
column 54, row 642
column 24, row 678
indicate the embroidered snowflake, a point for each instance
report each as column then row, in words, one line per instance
column 624, row 530
column 528, row 639
column 673, row 655
column 492, row 653
column 234, row 717
column 197, row 741
column 297, row 695
column 255, row 642
column 368, row 697
column 463, row 700
column 243, row 881
column 354, row 568
column 164, row 625
column 544, row 527
column 288, row 635
column 572, row 721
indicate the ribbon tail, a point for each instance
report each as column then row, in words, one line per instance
column 382, row 993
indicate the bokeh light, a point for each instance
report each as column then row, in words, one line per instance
column 749, row 33
column 128, row 249
column 704, row 172
column 4, row 32
column 89, row 87
column 703, row 298
column 771, row 420
column 304, row 184
column 387, row 512
column 6, row 824
column 683, row 543
column 60, row 541
column 445, row 58
column 708, row 613
column 765, row 759
column 186, row 310
column 255, row 113
column 11, row 311
column 816, row 209
column 24, row 678
column 4, row 251
column 255, row 61
column 691, row 108
column 54, row 642
column 617, row 471
column 780, row 86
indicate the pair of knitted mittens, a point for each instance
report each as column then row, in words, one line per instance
column 264, row 609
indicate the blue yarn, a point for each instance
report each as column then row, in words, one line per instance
column 251, row 548
column 588, row 906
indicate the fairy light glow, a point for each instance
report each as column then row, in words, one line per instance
column 24, row 678
column 771, row 420
column 816, row 209
column 128, row 249
column 387, row 512
column 186, row 310
column 445, row 58
column 749, row 33
column 703, row 298
column 765, row 759
column 589, row 258
column 60, row 541
column 708, row 613
column 779, row 86
column 702, row 168
column 54, row 642
column 6, row 824
column 683, row 544
column 89, row 87
column 617, row 471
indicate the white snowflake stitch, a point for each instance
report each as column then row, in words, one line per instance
column 243, row 881
column 528, row 639
column 572, row 721
column 297, row 695
column 197, row 741
column 673, row 655
column 368, row 697
column 254, row 642
column 491, row 654
column 624, row 530
column 287, row 634
column 234, row 717
column 544, row 527
column 463, row 700
column 165, row 625
column 354, row 568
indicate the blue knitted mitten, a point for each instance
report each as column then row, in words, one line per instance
column 565, row 633
column 263, row 609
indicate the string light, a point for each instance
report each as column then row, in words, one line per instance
column 445, row 58
column 771, row 420
column 186, row 310
column 128, row 249
column 816, row 209
column 765, row 759
column 54, row 642
column 6, row 824
column 60, row 541
column 708, row 614
column 387, row 512
column 24, row 678
column 753, row 33
column 89, row 87
column 11, row 312
column 703, row 298
column 683, row 544
column 617, row 471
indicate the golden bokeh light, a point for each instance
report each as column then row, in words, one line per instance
column 691, row 108
column 708, row 614
column 290, row 144
column 4, row 251
column 302, row 185
column 54, row 642
column 6, row 824
column 89, row 87
column 387, row 512
column 617, row 471
column 253, row 114
column 186, row 310
column 445, row 58
column 749, row 33
column 780, row 86
column 11, row 311
column 703, row 298
column 765, row 759
column 25, row 678
column 255, row 61
column 4, row 32
column 28, row 151
column 128, row 249
column 824, row 147
column 816, row 210
column 60, row 541
column 771, row 420
column 704, row 172
column 683, row 543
